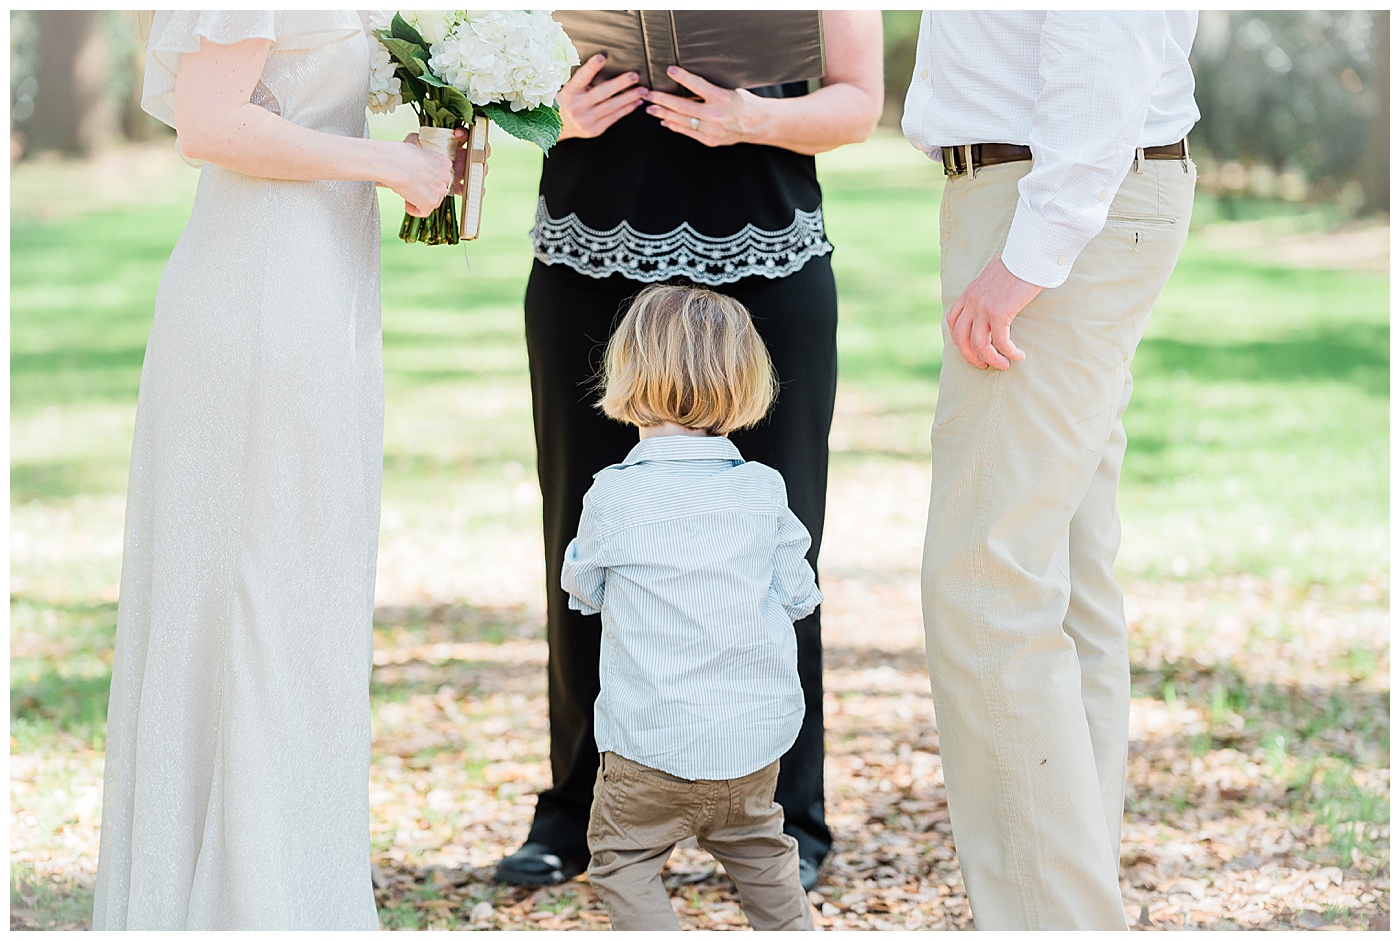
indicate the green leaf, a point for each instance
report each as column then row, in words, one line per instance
column 430, row 79
column 456, row 102
column 401, row 30
column 406, row 54
column 540, row 126
column 410, row 89
column 438, row 116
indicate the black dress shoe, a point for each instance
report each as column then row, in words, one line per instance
column 808, row 870
column 537, row 864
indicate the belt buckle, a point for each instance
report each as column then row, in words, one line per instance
column 950, row 161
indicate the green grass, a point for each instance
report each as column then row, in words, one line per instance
column 1258, row 427
column 1318, row 745
column 54, row 906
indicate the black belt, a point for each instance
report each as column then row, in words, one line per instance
column 955, row 158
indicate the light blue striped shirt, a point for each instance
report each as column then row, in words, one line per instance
column 698, row 567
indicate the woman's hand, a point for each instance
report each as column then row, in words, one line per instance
column 588, row 110
column 843, row 111
column 421, row 177
column 720, row 117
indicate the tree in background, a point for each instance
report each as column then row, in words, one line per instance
column 901, row 43
column 1374, row 172
column 1303, row 91
column 23, row 84
column 1300, row 91
column 1306, row 91
column 73, row 112
column 75, row 81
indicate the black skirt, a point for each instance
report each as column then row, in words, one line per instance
column 642, row 204
column 568, row 319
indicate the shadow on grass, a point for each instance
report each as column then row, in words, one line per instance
column 1360, row 357
column 54, row 481
column 456, row 623
column 45, row 903
column 1310, row 714
column 1319, row 749
column 468, row 679
column 53, row 705
column 64, row 377
column 48, row 700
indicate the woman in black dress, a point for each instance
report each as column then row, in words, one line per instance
column 722, row 192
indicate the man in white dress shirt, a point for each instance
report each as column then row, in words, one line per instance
column 1068, row 193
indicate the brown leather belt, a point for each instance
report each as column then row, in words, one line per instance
column 955, row 158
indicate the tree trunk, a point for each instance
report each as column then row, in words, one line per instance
column 1374, row 170
column 72, row 111
column 136, row 124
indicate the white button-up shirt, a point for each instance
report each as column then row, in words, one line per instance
column 699, row 569
column 1082, row 89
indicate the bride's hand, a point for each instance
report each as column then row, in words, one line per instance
column 421, row 177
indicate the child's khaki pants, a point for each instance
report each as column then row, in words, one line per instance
column 640, row 814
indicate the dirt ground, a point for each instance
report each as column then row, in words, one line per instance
column 1223, row 827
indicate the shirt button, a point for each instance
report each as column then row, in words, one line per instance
column 923, row 73
column 1062, row 260
column 1103, row 194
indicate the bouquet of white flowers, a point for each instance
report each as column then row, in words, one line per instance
column 462, row 68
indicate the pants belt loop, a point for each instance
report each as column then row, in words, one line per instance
column 967, row 159
column 1139, row 158
column 1185, row 156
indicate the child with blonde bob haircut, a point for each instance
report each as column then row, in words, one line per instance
column 689, row 357
column 698, row 568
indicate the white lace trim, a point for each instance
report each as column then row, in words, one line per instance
column 682, row 252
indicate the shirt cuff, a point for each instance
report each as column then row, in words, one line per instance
column 583, row 605
column 1039, row 251
column 798, row 610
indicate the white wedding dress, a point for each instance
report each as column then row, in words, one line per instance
column 238, row 743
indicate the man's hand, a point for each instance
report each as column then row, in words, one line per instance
column 980, row 319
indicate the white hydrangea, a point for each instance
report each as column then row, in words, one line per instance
column 521, row 57
column 379, row 20
column 385, row 93
column 433, row 25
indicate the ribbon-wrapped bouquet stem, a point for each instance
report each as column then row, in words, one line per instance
column 463, row 68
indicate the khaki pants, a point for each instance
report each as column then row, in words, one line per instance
column 640, row 814
column 1026, row 638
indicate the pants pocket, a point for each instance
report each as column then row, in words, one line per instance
column 651, row 808
column 1133, row 221
column 752, row 797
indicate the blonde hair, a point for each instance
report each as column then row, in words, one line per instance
column 689, row 356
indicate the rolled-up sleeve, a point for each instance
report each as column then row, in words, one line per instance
column 584, row 575
column 793, row 579
column 1097, row 73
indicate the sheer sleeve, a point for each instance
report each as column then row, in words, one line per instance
column 176, row 32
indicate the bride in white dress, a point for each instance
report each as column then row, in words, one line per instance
column 236, row 789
